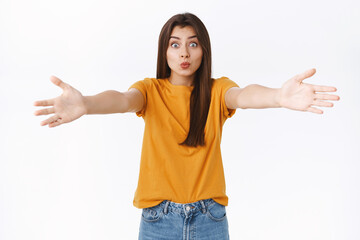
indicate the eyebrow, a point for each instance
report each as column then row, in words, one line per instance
column 179, row 38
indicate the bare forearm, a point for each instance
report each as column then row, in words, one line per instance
column 110, row 101
column 257, row 96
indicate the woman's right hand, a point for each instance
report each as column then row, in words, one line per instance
column 67, row 107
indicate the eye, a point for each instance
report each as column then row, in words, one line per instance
column 174, row 45
column 193, row 44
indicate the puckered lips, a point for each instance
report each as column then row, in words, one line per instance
column 185, row 65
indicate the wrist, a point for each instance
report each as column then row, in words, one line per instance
column 278, row 97
column 86, row 102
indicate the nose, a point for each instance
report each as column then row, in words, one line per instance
column 184, row 53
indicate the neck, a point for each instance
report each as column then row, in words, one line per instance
column 181, row 80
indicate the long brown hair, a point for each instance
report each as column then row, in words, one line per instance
column 201, row 93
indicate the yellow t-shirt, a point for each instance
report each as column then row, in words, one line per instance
column 169, row 171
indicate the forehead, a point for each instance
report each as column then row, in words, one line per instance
column 183, row 32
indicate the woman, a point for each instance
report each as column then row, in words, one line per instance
column 181, row 186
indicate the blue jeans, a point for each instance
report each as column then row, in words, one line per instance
column 202, row 220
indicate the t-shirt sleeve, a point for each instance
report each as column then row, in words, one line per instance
column 225, row 84
column 142, row 86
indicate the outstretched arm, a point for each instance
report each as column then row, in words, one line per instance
column 71, row 105
column 294, row 94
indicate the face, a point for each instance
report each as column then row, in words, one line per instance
column 184, row 48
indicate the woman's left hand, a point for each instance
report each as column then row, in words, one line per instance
column 296, row 95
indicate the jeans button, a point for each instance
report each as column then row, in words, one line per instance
column 187, row 208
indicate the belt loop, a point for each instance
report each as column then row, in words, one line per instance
column 203, row 206
column 166, row 206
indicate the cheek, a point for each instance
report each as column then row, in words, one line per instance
column 199, row 56
column 170, row 57
column 198, row 52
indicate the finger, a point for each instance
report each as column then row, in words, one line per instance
column 318, row 88
column 44, row 111
column 315, row 110
column 322, row 104
column 49, row 120
column 58, row 82
column 300, row 77
column 55, row 124
column 48, row 102
column 319, row 96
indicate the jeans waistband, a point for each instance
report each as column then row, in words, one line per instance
column 202, row 205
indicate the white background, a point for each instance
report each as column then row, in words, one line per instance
column 290, row 175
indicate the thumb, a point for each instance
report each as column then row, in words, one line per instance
column 58, row 82
column 300, row 77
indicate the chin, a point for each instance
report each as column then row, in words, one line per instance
column 184, row 73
